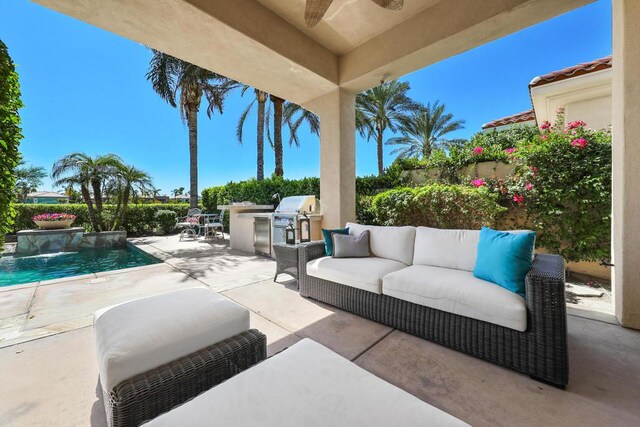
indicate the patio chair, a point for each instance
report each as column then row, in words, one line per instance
column 190, row 224
column 213, row 224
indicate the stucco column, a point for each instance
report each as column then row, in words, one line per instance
column 626, row 161
column 337, row 157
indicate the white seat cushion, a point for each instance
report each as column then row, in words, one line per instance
column 139, row 335
column 305, row 385
column 361, row 273
column 394, row 243
column 457, row 292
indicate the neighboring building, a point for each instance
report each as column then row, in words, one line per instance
column 583, row 90
column 181, row 198
column 46, row 197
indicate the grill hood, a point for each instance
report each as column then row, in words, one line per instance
column 297, row 204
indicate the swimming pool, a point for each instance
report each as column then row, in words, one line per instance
column 15, row 270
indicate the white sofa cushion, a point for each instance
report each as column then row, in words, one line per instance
column 139, row 335
column 305, row 385
column 394, row 243
column 361, row 273
column 448, row 248
column 457, row 292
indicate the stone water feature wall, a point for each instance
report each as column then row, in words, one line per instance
column 35, row 242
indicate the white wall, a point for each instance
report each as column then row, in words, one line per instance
column 586, row 97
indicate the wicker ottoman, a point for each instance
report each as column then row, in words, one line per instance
column 157, row 352
column 305, row 385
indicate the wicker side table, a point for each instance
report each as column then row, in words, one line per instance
column 286, row 260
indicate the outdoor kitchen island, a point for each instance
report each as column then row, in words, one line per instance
column 241, row 221
column 255, row 228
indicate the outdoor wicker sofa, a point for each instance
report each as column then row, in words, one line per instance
column 539, row 349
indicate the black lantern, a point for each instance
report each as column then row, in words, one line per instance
column 290, row 234
column 304, row 228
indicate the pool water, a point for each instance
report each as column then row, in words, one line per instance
column 15, row 270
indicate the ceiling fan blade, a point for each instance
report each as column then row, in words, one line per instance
column 390, row 4
column 314, row 11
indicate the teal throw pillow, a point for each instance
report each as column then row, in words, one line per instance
column 504, row 258
column 328, row 241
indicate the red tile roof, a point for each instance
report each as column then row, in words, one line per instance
column 574, row 71
column 525, row 116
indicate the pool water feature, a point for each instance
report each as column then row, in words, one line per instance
column 16, row 269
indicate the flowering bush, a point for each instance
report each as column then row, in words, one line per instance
column 54, row 217
column 564, row 180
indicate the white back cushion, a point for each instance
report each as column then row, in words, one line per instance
column 394, row 243
column 437, row 247
column 456, row 249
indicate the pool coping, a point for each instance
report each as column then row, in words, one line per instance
column 92, row 275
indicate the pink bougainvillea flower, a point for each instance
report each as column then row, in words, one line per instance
column 545, row 125
column 54, row 217
column 529, row 186
column 543, row 137
column 477, row 151
column 478, row 183
column 576, row 124
column 518, row 199
column 509, row 150
column 580, row 143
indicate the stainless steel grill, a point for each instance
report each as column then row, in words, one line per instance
column 287, row 213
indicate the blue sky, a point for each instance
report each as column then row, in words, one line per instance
column 84, row 89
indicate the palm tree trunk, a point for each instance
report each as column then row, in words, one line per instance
column 90, row 211
column 192, row 123
column 262, row 99
column 380, row 152
column 277, row 134
column 96, row 185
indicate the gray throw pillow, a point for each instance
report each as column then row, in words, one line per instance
column 347, row 246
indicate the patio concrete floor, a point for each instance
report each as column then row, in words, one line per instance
column 49, row 374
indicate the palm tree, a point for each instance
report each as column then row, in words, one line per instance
column 28, row 179
column 381, row 108
column 294, row 116
column 277, row 134
column 424, row 131
column 90, row 174
column 183, row 85
column 127, row 181
column 263, row 117
column 177, row 192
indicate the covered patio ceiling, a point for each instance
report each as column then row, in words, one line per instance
column 265, row 43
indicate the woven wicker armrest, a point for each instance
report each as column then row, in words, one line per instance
column 306, row 252
column 310, row 250
column 545, row 282
column 547, row 318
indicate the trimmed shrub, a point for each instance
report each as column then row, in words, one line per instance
column 261, row 192
column 440, row 206
column 166, row 220
column 141, row 218
column 364, row 212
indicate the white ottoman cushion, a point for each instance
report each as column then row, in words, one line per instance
column 306, row 385
column 139, row 335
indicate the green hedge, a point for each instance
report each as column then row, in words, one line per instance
column 10, row 136
column 141, row 218
column 440, row 206
column 261, row 192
